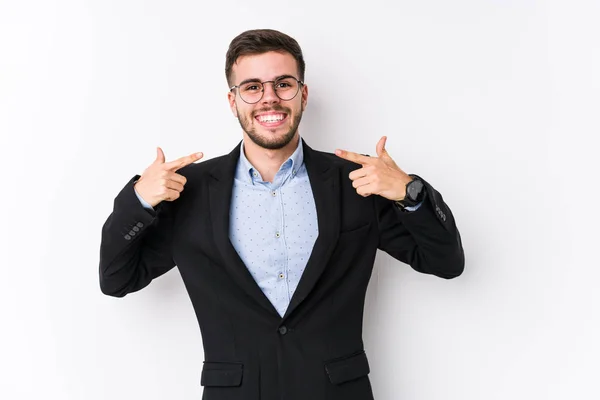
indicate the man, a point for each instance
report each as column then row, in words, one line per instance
column 275, row 241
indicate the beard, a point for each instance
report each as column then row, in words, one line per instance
column 275, row 143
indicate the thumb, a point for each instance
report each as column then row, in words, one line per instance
column 160, row 156
column 381, row 151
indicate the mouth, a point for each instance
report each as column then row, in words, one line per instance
column 271, row 119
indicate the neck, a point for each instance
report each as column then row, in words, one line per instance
column 266, row 161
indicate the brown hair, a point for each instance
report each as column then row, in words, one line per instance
column 260, row 41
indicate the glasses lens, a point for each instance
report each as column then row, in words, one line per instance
column 251, row 92
column 286, row 88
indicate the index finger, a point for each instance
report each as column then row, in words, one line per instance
column 354, row 157
column 183, row 161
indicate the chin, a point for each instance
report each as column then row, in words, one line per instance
column 272, row 140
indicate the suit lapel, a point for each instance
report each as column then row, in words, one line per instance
column 324, row 180
column 221, row 187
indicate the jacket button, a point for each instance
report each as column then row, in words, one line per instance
column 283, row 330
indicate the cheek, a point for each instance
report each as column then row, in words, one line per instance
column 242, row 112
column 247, row 115
column 295, row 107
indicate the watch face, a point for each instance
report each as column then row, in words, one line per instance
column 414, row 188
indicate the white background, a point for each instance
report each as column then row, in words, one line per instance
column 494, row 102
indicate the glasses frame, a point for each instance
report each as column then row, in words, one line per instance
column 300, row 83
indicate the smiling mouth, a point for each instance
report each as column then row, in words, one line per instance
column 271, row 119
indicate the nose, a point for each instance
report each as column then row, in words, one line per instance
column 269, row 95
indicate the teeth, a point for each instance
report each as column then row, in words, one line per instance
column 270, row 118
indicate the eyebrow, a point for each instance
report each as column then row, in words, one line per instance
column 258, row 80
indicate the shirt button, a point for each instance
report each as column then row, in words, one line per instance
column 255, row 174
column 283, row 330
column 281, row 276
column 277, row 234
column 273, row 193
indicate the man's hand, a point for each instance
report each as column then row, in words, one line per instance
column 379, row 175
column 160, row 181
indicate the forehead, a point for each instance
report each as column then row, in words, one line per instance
column 264, row 66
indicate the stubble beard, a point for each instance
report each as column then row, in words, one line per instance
column 276, row 143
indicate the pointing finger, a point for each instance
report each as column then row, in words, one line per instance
column 183, row 161
column 354, row 157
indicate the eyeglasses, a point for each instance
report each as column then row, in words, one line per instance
column 286, row 88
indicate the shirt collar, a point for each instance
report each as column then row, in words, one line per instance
column 245, row 169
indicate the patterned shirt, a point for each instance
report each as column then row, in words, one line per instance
column 273, row 226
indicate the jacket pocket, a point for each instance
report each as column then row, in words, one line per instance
column 221, row 374
column 347, row 368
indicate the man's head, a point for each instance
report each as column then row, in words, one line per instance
column 265, row 71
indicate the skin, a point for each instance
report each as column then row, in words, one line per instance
column 160, row 181
column 267, row 147
column 378, row 175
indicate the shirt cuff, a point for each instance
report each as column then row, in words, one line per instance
column 414, row 208
column 144, row 203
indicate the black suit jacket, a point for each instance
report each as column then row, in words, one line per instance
column 316, row 350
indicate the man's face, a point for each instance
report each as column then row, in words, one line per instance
column 271, row 123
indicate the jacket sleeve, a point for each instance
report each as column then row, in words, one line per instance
column 427, row 239
column 135, row 244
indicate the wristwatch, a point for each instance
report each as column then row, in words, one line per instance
column 414, row 194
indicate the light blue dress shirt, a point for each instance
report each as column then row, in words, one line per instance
column 273, row 226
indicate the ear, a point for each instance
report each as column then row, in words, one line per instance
column 231, row 99
column 304, row 97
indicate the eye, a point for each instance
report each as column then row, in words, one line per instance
column 252, row 87
column 287, row 84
